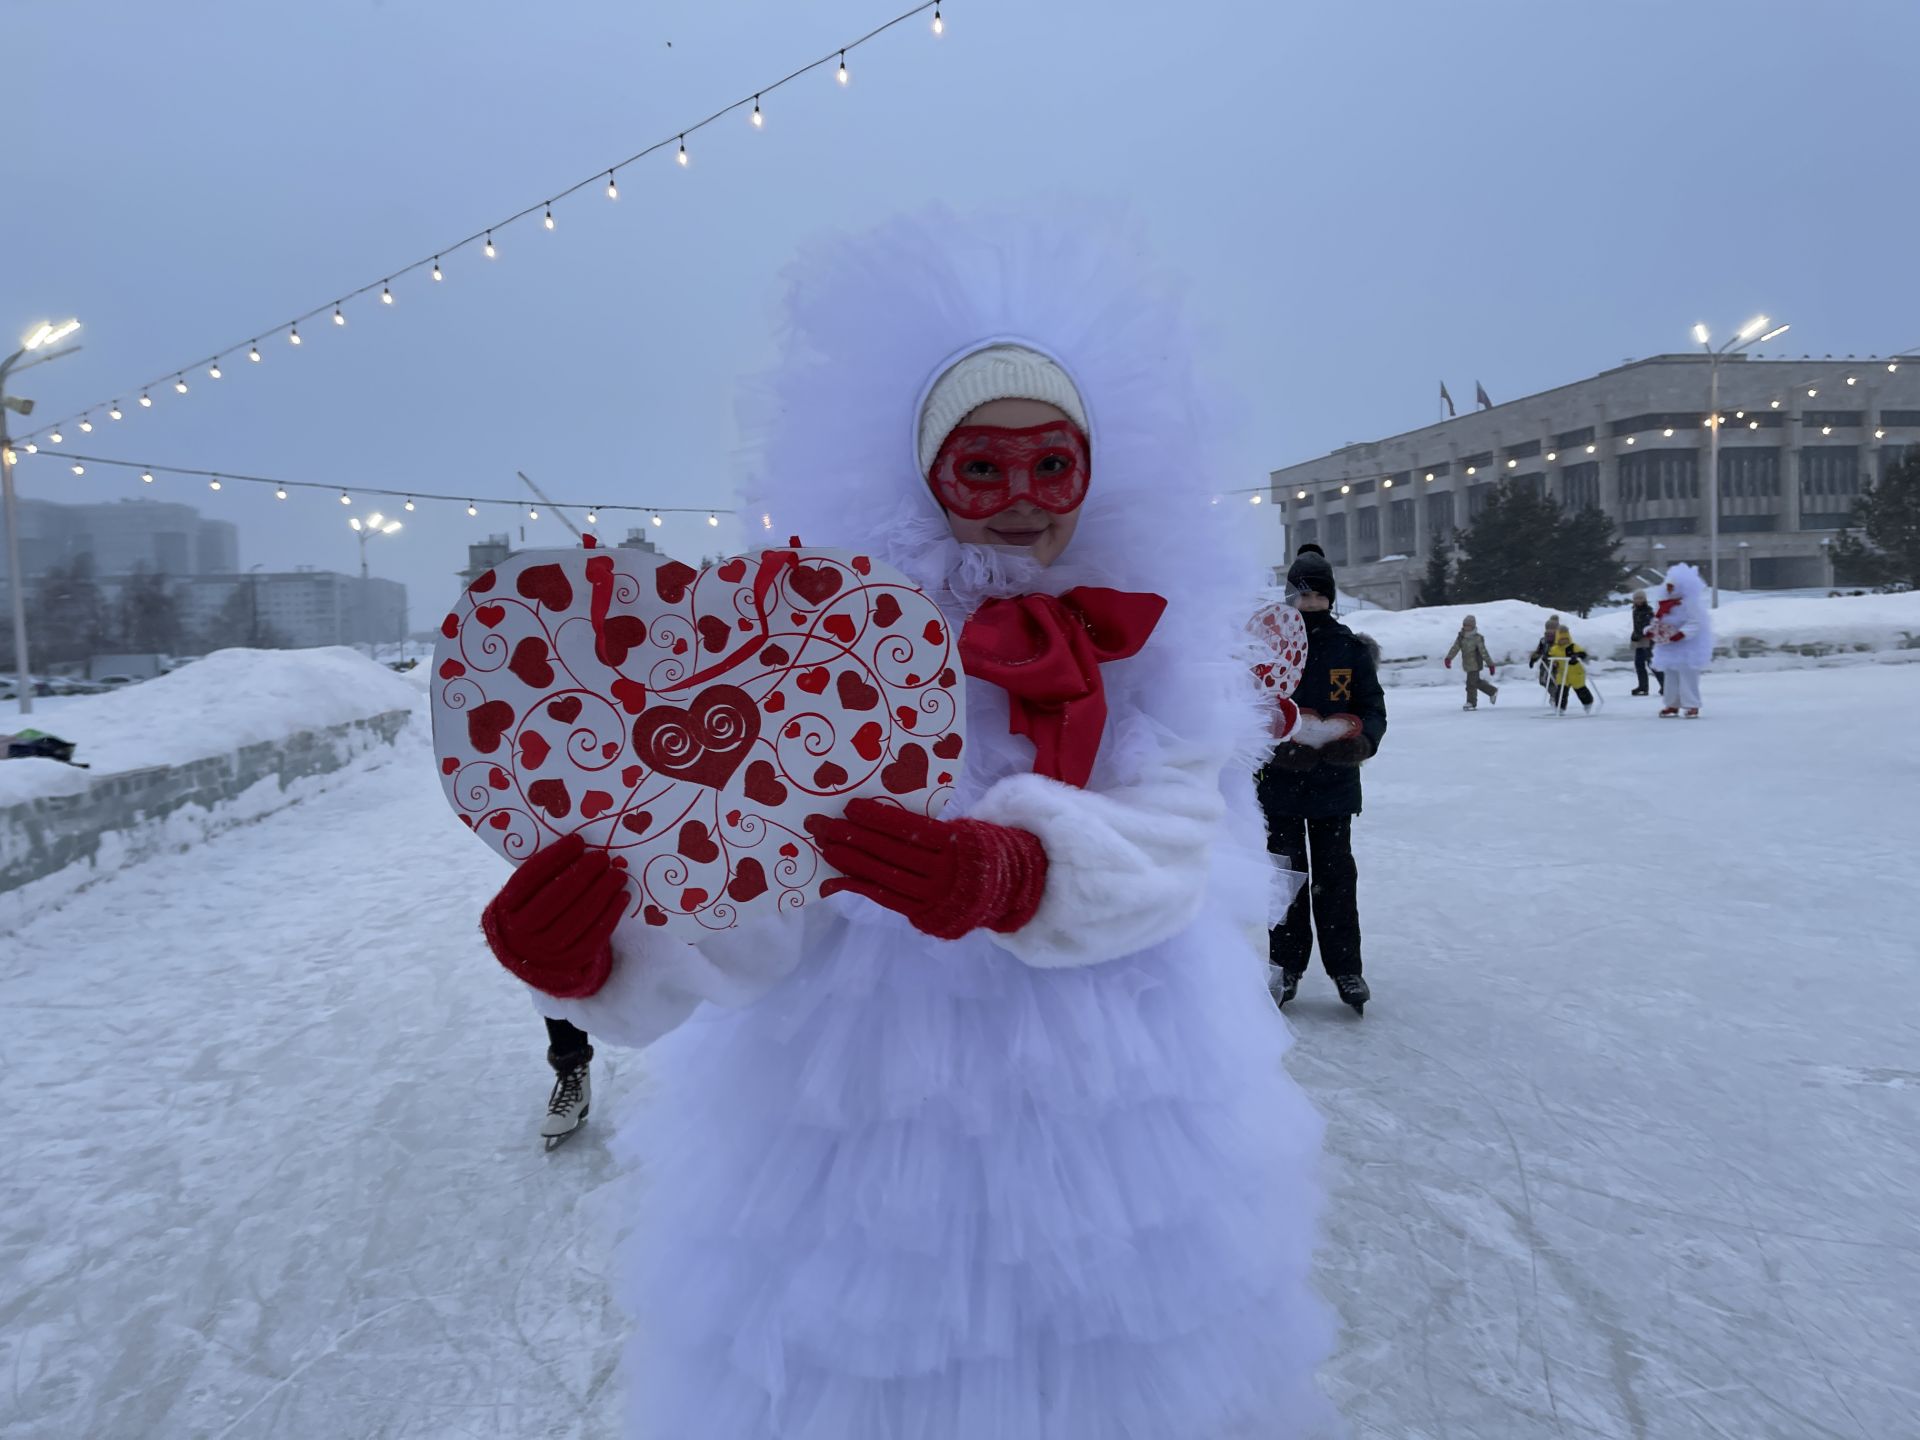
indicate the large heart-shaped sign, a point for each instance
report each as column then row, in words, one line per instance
column 689, row 721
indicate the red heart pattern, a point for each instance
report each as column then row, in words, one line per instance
column 599, row 689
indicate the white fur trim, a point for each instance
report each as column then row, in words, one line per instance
column 997, row 372
column 658, row 982
column 1126, row 867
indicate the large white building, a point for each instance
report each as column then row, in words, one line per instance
column 1800, row 440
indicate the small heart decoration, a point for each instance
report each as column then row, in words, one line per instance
column 566, row 709
column 908, row 772
column 855, row 693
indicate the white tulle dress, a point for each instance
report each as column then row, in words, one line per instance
column 1054, row 1185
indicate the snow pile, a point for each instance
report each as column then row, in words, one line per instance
column 1744, row 625
column 1511, row 629
column 212, row 707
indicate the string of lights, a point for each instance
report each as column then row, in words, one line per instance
column 605, row 176
column 1808, row 387
column 283, row 489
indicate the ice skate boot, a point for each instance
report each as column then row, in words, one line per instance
column 1283, row 985
column 568, row 1105
column 1354, row 991
column 1669, row 712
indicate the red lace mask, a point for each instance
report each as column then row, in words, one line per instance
column 984, row 469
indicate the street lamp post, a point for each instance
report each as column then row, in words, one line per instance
column 365, row 530
column 35, row 343
column 1747, row 334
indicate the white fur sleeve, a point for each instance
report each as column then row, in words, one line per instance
column 658, row 982
column 1126, row 867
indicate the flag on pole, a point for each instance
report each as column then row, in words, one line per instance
column 1447, row 400
column 1480, row 396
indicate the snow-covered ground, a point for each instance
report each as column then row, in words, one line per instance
column 1745, row 623
column 1625, row 1146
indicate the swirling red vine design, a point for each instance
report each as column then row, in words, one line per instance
column 690, row 721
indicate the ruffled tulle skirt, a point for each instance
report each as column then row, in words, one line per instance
column 926, row 1192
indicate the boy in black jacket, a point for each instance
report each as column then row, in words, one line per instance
column 1310, row 796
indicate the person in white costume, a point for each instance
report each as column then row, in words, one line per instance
column 1682, row 631
column 996, row 1144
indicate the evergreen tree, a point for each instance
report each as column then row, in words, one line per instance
column 1511, row 551
column 1590, row 565
column 1524, row 547
column 1888, row 549
column 1437, row 587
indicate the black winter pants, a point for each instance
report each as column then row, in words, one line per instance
column 567, row 1046
column 1329, row 894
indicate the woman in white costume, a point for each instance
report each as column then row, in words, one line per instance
column 997, row 1144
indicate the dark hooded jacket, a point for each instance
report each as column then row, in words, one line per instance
column 1342, row 677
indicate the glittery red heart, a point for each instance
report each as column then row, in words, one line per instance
column 696, row 844
column 815, row 584
column 546, row 585
column 487, row 723
column 763, row 785
column 947, row 747
column 551, row 796
column 855, row 693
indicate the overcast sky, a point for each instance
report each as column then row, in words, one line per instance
column 1366, row 197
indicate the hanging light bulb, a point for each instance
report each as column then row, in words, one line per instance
column 613, row 190
column 409, row 502
column 712, row 519
column 1826, row 429
column 1892, row 365
column 79, row 469
column 86, row 425
column 1552, row 455
column 213, row 371
column 843, row 68
column 766, row 522
column 470, row 509
column 146, row 401
column 436, row 269
column 490, row 252
column 280, row 492
column 338, row 317
column 56, row 437
column 939, row 25
column 213, row 484
column 1879, row 434
column 146, row 477
column 1739, row 414
column 345, row 499
column 180, row 384
column 1811, row 392
column 1629, row 439
column 1668, row 432
column 549, row 214
column 253, row 352
column 1386, row 484
column 32, row 449
column 386, row 294
column 1253, row 499
column 683, row 150
column 1753, row 424
column 293, row 334
column 656, row 518
column 532, row 514
column 1776, row 404
column 113, row 411
column 759, row 120
column 1853, row 380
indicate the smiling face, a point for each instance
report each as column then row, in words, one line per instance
column 1025, row 462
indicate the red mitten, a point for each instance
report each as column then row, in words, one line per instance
column 552, row 922
column 1678, row 636
column 948, row 877
column 1448, row 662
column 1490, row 670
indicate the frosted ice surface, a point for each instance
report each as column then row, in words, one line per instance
column 1625, row 1146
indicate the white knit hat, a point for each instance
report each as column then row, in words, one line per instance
column 998, row 372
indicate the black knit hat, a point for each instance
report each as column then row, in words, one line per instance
column 1311, row 571
column 1310, row 549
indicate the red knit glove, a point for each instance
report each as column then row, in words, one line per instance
column 1490, row 669
column 552, row 922
column 948, row 877
column 1448, row 662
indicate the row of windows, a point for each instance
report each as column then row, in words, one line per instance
column 1526, row 450
column 1661, row 420
column 1830, row 470
column 1567, row 439
column 1580, row 486
column 1659, row 475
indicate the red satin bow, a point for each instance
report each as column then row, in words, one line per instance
column 1046, row 651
